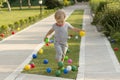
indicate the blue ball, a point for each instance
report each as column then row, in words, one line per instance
column 34, row 56
column 65, row 71
column 112, row 41
column 51, row 41
column 48, row 70
column 45, row 61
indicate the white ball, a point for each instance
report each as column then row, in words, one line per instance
column 76, row 37
column 69, row 68
column 69, row 37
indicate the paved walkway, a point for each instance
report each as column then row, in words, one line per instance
column 97, row 60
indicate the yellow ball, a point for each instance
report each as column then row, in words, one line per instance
column 41, row 51
column 27, row 67
column 18, row 28
column 82, row 33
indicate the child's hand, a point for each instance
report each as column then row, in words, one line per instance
column 45, row 39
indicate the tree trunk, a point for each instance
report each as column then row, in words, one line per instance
column 29, row 4
column 76, row 1
column 9, row 8
column 20, row 4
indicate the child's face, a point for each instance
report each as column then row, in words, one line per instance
column 60, row 22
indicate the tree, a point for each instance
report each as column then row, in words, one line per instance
column 9, row 8
column 20, row 4
column 76, row 1
column 29, row 4
column 1, row 1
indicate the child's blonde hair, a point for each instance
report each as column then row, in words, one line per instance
column 60, row 14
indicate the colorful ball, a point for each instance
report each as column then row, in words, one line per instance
column 112, row 41
column 2, row 35
column 13, row 32
column 34, row 56
column 27, row 67
column 18, row 28
column 76, row 37
column 69, row 37
column 32, row 65
column 48, row 70
column 62, row 69
column 40, row 51
column 116, row 49
column 47, row 40
column 69, row 61
column 65, row 71
column 47, row 44
column 51, row 41
column 74, row 68
column 69, row 68
column 66, row 58
column 82, row 33
column 45, row 61
column 58, row 73
column 60, row 64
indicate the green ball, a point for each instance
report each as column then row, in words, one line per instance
column 66, row 58
column 46, row 40
column 62, row 69
column 58, row 73
column 74, row 68
column 60, row 64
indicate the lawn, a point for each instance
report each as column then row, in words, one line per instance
column 117, row 52
column 7, row 18
column 16, row 14
column 49, row 52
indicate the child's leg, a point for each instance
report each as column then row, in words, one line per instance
column 64, row 49
column 58, row 52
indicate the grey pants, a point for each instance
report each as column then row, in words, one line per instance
column 61, row 49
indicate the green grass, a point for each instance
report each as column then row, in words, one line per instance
column 117, row 53
column 16, row 14
column 49, row 52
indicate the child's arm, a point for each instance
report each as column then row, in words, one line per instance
column 49, row 32
column 77, row 29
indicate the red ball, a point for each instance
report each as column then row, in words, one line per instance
column 13, row 32
column 2, row 35
column 47, row 44
column 116, row 49
column 32, row 65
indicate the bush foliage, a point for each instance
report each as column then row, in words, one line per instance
column 107, row 15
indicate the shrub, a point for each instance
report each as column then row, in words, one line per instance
column 16, row 24
column 33, row 18
column 111, row 19
column 11, row 26
column 26, row 20
column 116, row 36
column 30, row 19
column 95, row 4
column 22, row 22
column 4, row 29
column 51, row 4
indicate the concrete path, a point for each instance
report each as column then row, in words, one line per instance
column 97, row 60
